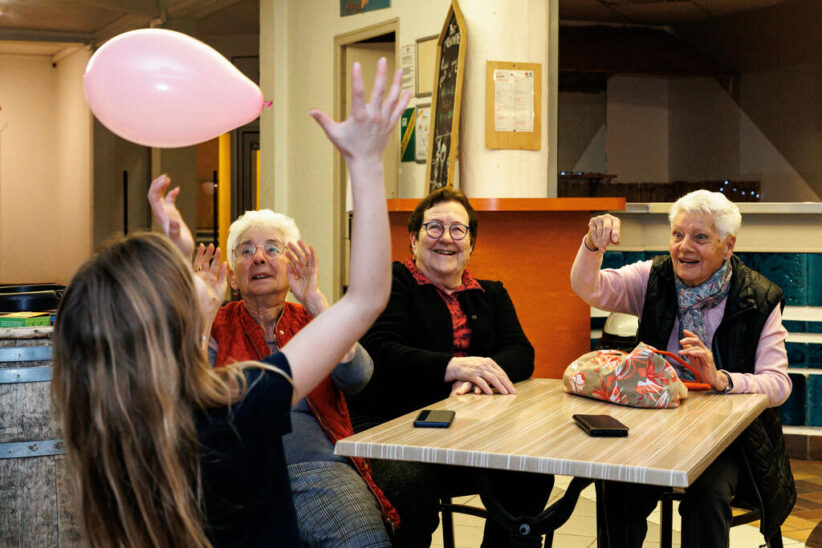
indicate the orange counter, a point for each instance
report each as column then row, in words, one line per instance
column 529, row 244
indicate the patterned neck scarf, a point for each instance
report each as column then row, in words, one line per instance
column 692, row 301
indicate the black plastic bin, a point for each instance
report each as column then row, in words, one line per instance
column 30, row 297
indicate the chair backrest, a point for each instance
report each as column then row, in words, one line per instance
column 619, row 332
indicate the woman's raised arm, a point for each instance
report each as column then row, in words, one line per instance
column 319, row 346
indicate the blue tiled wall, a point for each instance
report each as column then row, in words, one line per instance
column 798, row 274
column 800, row 277
column 794, row 412
column 814, row 279
column 814, row 395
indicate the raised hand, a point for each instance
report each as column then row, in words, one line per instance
column 603, row 230
column 303, row 273
column 477, row 373
column 167, row 216
column 365, row 132
column 214, row 273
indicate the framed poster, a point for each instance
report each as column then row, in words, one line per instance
column 351, row 7
column 408, row 131
column 408, row 64
column 426, row 57
column 443, row 138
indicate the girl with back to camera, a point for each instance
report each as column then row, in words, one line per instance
column 165, row 450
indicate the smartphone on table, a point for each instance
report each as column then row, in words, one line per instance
column 601, row 426
column 434, row 418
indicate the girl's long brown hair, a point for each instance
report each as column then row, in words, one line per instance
column 129, row 372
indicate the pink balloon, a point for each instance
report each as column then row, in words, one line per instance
column 165, row 89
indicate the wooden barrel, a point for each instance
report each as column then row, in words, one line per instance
column 36, row 507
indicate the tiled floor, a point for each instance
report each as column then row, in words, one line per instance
column 579, row 531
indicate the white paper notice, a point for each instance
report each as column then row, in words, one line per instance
column 423, row 127
column 514, row 100
column 408, row 57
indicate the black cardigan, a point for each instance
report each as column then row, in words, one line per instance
column 412, row 342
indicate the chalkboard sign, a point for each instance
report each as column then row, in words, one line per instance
column 443, row 140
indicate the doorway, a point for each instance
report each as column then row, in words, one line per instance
column 365, row 46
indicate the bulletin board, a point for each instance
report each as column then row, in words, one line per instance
column 443, row 140
column 513, row 105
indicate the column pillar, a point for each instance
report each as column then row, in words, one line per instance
column 515, row 31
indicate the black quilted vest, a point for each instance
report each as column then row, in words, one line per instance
column 751, row 299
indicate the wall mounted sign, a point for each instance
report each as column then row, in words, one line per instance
column 513, row 105
column 422, row 131
column 443, row 140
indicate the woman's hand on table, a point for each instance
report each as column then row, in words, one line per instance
column 603, row 230
column 167, row 216
column 701, row 358
column 464, row 387
column 482, row 373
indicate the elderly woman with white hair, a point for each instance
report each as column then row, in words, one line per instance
column 337, row 501
column 701, row 302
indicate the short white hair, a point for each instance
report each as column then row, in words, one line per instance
column 724, row 213
column 263, row 218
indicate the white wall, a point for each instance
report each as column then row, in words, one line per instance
column 704, row 131
column 73, row 185
column 581, row 121
column 636, row 139
column 686, row 129
column 45, row 168
column 777, row 52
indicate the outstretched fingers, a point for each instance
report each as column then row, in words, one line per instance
column 378, row 88
column 396, row 102
column 158, row 188
column 324, row 120
column 358, row 104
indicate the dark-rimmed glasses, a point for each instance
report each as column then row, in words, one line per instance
column 246, row 250
column 435, row 230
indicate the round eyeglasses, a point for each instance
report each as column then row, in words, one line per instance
column 435, row 230
column 246, row 250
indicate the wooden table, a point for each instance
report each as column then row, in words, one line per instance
column 532, row 431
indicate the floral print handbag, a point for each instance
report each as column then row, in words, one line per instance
column 639, row 378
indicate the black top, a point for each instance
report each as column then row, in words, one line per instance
column 412, row 342
column 245, row 481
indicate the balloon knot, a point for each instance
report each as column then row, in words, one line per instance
column 267, row 104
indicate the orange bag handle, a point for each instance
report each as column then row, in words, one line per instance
column 691, row 385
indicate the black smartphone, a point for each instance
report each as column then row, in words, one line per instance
column 434, row 418
column 601, row 425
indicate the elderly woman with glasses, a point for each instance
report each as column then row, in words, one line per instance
column 337, row 501
column 702, row 302
column 444, row 332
